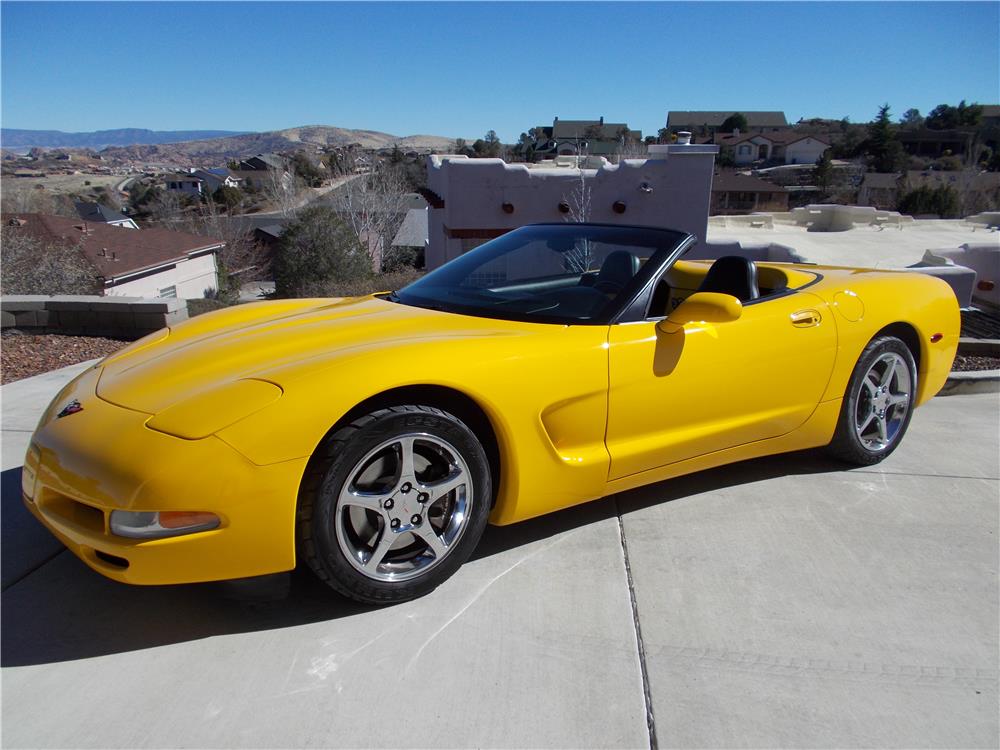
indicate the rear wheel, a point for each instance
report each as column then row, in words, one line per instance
column 394, row 503
column 878, row 404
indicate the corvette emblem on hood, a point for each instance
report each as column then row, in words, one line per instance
column 71, row 408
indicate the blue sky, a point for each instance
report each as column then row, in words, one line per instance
column 459, row 69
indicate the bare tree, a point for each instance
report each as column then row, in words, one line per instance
column 282, row 189
column 580, row 258
column 30, row 266
column 374, row 205
column 241, row 257
column 630, row 148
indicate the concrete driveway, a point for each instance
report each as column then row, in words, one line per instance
column 784, row 602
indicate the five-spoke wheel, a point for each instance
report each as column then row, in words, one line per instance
column 394, row 503
column 406, row 502
column 878, row 403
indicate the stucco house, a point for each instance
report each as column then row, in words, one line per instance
column 213, row 179
column 474, row 200
column 785, row 147
column 147, row 263
column 187, row 184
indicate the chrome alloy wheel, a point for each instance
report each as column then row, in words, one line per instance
column 403, row 506
column 883, row 402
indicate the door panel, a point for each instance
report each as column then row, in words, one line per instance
column 715, row 386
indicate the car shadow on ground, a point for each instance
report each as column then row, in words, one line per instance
column 60, row 610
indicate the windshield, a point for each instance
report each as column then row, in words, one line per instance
column 558, row 273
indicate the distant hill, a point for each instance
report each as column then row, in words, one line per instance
column 14, row 138
column 220, row 150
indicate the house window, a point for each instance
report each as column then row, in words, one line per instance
column 168, row 292
column 744, row 149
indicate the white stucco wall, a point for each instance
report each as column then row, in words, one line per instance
column 671, row 189
column 806, row 151
column 191, row 277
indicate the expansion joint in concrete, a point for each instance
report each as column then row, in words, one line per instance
column 40, row 565
column 646, row 696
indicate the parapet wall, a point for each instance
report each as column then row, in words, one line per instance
column 115, row 317
column 477, row 199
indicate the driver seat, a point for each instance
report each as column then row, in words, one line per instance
column 733, row 275
column 616, row 271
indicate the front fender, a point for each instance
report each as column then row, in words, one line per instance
column 549, row 419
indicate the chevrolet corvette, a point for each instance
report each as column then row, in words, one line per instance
column 374, row 438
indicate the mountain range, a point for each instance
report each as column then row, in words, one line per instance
column 14, row 138
column 218, row 149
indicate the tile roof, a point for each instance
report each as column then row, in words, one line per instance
column 113, row 251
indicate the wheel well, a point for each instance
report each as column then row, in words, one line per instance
column 447, row 399
column 908, row 335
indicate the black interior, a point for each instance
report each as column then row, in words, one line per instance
column 617, row 270
column 734, row 275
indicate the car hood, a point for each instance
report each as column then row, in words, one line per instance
column 267, row 340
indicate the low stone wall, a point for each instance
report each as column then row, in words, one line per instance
column 117, row 317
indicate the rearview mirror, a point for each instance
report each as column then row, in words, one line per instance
column 703, row 307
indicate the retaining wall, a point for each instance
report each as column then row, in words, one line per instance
column 116, row 317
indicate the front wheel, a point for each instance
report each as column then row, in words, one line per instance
column 878, row 404
column 393, row 503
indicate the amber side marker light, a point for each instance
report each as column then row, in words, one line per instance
column 936, row 337
column 153, row 525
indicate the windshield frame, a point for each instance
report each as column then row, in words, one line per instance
column 620, row 309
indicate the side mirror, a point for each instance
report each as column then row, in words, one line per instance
column 703, row 307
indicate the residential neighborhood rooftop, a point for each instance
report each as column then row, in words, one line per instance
column 113, row 251
column 98, row 212
column 716, row 118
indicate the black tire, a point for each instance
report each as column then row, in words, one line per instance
column 859, row 438
column 335, row 534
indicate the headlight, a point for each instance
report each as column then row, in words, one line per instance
column 154, row 524
column 214, row 409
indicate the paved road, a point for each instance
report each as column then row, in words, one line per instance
column 783, row 602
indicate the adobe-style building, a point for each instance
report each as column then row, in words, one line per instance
column 474, row 200
column 146, row 263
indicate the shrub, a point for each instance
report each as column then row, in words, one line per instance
column 316, row 250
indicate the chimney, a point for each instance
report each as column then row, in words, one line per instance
column 602, row 120
column 736, row 131
column 684, row 138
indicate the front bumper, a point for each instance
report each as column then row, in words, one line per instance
column 82, row 466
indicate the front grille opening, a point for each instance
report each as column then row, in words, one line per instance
column 80, row 515
column 118, row 562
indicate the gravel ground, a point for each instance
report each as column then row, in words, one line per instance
column 967, row 363
column 24, row 355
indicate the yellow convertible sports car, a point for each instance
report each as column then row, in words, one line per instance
column 374, row 438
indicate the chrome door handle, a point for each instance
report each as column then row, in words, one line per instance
column 806, row 318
